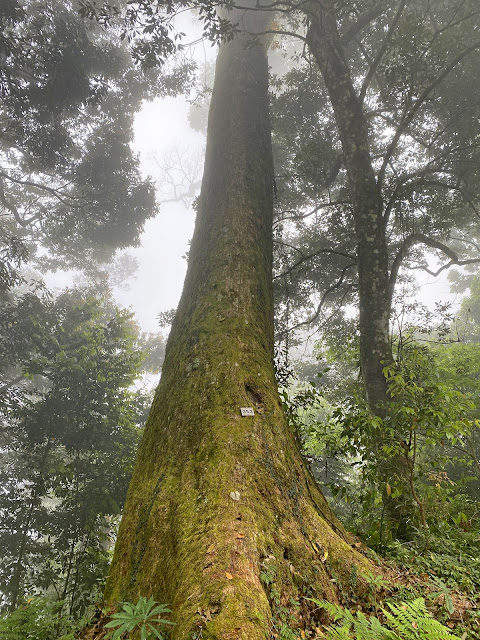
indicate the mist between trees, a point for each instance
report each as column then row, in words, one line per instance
column 309, row 467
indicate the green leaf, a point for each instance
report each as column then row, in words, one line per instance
column 128, row 608
column 161, row 608
column 118, row 632
column 163, row 621
column 449, row 604
column 156, row 632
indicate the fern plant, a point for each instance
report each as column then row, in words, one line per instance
column 404, row 621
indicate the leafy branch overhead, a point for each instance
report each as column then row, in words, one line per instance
column 68, row 178
column 423, row 152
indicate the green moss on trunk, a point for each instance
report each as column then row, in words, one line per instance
column 222, row 519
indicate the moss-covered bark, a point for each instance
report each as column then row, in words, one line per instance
column 223, row 521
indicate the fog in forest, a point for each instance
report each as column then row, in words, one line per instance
column 239, row 320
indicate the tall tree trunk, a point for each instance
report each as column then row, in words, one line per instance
column 222, row 519
column 375, row 294
column 372, row 254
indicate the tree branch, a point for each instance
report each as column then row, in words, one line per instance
column 309, row 256
column 460, row 263
column 420, row 238
column 422, row 182
column 408, row 117
column 362, row 22
column 70, row 202
column 11, row 207
column 334, row 286
column 302, row 216
column 376, row 61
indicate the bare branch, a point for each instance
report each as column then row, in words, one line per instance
column 420, row 238
column 281, row 32
column 460, row 263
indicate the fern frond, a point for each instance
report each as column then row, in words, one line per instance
column 412, row 621
column 404, row 621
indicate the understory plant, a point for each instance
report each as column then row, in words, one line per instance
column 143, row 617
column 38, row 619
column 403, row 457
column 402, row 621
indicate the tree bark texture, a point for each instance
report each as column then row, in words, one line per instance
column 374, row 282
column 372, row 252
column 222, row 520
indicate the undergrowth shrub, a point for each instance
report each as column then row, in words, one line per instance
column 403, row 621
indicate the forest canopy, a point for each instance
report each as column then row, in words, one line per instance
column 341, row 166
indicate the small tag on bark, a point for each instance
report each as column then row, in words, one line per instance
column 247, row 411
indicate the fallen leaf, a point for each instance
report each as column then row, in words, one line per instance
column 389, row 489
column 228, row 575
column 325, row 556
column 302, row 633
column 240, row 536
column 211, row 548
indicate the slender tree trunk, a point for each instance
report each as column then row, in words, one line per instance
column 375, row 294
column 372, row 254
column 19, row 569
column 222, row 519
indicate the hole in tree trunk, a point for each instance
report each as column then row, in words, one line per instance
column 256, row 397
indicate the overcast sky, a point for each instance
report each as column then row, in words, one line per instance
column 160, row 128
